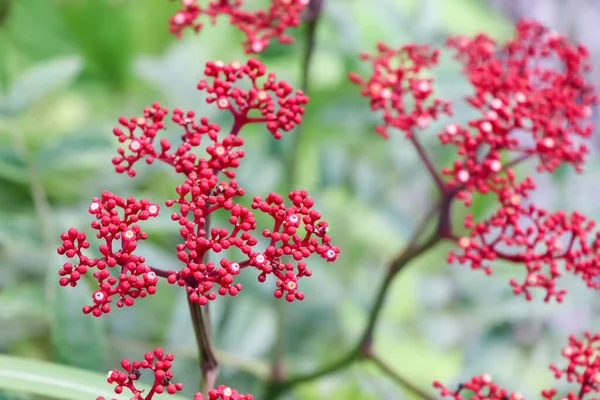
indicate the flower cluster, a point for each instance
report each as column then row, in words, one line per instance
column 160, row 365
column 534, row 85
column 584, row 364
column 201, row 195
column 121, row 235
column 398, row 74
column 275, row 103
column 259, row 26
column 481, row 387
column 141, row 133
column 533, row 101
column 583, row 370
column 297, row 232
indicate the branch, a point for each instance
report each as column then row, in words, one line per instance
column 394, row 268
column 362, row 349
column 428, row 163
column 275, row 387
column 208, row 361
column 399, row 379
column 313, row 17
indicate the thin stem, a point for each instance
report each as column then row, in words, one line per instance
column 275, row 387
column 208, row 361
column 151, row 393
column 159, row 272
column 364, row 346
column 238, row 123
column 314, row 13
column 517, row 160
column 394, row 268
column 399, row 379
column 428, row 163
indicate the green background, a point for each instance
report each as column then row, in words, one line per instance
column 71, row 68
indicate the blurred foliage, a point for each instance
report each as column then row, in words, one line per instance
column 70, row 68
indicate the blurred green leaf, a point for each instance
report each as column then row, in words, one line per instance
column 9, row 395
column 36, row 29
column 23, row 313
column 78, row 339
column 103, row 32
column 413, row 358
column 473, row 16
column 56, row 381
column 73, row 157
column 13, row 167
column 41, row 79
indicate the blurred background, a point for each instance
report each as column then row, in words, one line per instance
column 70, row 68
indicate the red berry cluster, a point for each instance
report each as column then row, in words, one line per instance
column 141, row 135
column 121, row 235
column 275, row 103
column 396, row 74
column 479, row 388
column 583, row 370
column 533, row 100
column 160, row 365
column 297, row 232
column 259, row 26
column 223, row 392
column 535, row 85
column 201, row 195
column 584, row 365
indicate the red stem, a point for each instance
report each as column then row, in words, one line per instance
column 428, row 163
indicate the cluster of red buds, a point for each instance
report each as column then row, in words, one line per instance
column 159, row 364
column 298, row 230
column 259, row 26
column 397, row 80
column 534, row 102
column 583, row 370
column 121, row 235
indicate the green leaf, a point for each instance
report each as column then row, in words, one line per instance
column 13, row 167
column 36, row 30
column 23, row 313
column 78, row 339
column 41, row 79
column 56, row 381
column 8, row 395
column 103, row 33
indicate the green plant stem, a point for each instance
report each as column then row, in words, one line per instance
column 363, row 349
column 409, row 254
column 399, row 379
column 315, row 7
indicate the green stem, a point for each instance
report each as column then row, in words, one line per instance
column 307, row 56
column 394, row 268
column 275, row 388
column 363, row 348
column 399, row 379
